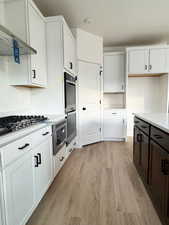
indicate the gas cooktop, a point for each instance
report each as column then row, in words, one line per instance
column 13, row 123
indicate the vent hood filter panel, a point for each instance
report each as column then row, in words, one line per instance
column 6, row 44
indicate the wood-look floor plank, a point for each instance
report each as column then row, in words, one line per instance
column 98, row 185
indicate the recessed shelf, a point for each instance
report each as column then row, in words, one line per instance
column 115, row 92
column 146, row 75
column 6, row 44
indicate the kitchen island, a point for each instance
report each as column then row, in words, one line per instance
column 151, row 158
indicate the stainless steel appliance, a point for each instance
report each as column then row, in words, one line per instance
column 13, row 123
column 71, row 126
column 59, row 136
column 70, row 92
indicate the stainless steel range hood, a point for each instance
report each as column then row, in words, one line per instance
column 6, row 44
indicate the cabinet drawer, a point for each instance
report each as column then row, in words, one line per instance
column 41, row 135
column 15, row 150
column 145, row 127
column 160, row 137
column 114, row 113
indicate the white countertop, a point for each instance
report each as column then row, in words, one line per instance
column 160, row 120
column 54, row 119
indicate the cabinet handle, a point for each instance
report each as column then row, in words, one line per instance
column 62, row 159
column 146, row 67
column 71, row 65
column 25, row 146
column 158, row 136
column 34, row 74
column 36, row 161
column 114, row 113
column 84, row 108
column 150, row 67
column 39, row 158
column 165, row 166
column 139, row 137
column 44, row 134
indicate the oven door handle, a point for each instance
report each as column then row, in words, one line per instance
column 70, row 82
column 70, row 113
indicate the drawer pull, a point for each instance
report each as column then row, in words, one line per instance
column 114, row 113
column 25, row 146
column 158, row 136
column 62, row 159
column 44, row 134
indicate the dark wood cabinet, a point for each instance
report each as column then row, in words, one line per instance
column 157, row 175
column 151, row 158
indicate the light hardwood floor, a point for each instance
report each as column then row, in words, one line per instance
column 98, row 185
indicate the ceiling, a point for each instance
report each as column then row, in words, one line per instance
column 119, row 22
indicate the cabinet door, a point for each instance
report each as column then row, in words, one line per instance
column 136, row 148
column 144, row 155
column 19, row 190
column 37, row 41
column 69, row 49
column 157, row 175
column 138, row 61
column 158, row 58
column 43, row 167
column 114, row 124
column 114, row 72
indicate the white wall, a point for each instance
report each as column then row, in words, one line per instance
column 12, row 99
column 145, row 95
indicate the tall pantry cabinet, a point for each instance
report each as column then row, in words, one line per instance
column 89, row 66
column 28, row 24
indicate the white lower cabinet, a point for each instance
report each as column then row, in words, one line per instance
column 42, row 167
column 26, row 175
column 114, row 125
column 19, row 190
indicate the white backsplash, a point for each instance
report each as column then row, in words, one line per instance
column 12, row 99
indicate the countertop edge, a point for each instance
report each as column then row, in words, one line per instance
column 152, row 123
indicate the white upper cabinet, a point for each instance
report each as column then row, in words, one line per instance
column 38, row 41
column 69, row 49
column 148, row 60
column 61, row 46
column 24, row 19
column 114, row 72
column 157, row 62
column 89, row 47
column 138, row 61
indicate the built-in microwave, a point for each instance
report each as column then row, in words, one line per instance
column 70, row 92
